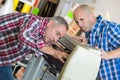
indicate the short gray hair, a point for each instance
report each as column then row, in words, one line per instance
column 59, row 20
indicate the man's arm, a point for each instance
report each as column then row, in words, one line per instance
column 111, row 55
column 80, row 38
column 62, row 56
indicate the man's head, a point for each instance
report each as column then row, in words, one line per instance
column 56, row 28
column 84, row 17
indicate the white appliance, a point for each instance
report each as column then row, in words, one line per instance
column 83, row 64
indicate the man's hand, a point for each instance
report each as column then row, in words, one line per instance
column 105, row 55
column 80, row 38
column 62, row 56
column 111, row 55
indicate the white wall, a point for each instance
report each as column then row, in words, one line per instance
column 109, row 9
column 63, row 7
column 89, row 2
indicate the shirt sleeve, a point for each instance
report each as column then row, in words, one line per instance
column 30, row 36
column 114, row 35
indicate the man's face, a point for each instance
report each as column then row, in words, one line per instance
column 54, row 32
column 83, row 20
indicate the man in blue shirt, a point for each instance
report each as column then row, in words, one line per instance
column 102, row 34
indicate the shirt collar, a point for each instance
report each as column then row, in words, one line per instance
column 96, row 26
column 43, row 26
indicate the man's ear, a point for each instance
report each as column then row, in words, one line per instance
column 50, row 23
column 91, row 16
